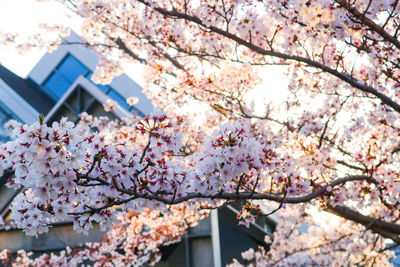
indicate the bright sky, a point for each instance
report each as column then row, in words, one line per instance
column 23, row 17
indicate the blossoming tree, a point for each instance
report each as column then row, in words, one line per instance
column 326, row 159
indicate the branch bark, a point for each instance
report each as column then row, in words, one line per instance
column 386, row 229
column 367, row 221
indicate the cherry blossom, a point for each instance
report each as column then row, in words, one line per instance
column 325, row 160
column 132, row 100
column 110, row 105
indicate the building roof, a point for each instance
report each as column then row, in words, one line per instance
column 28, row 90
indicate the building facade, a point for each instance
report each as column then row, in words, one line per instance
column 60, row 86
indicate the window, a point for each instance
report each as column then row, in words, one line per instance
column 71, row 68
column 57, row 85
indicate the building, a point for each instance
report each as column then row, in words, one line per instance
column 58, row 86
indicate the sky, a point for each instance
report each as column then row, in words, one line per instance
column 25, row 21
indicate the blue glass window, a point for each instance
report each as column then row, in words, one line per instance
column 71, row 68
column 57, row 85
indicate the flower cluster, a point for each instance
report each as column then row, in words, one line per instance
column 333, row 142
column 110, row 105
column 71, row 173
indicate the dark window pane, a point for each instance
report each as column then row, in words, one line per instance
column 103, row 88
column 79, row 100
column 119, row 98
column 73, row 101
column 87, row 99
column 97, row 109
column 57, row 85
column 71, row 68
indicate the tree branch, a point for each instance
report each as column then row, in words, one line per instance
column 371, row 222
column 342, row 76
